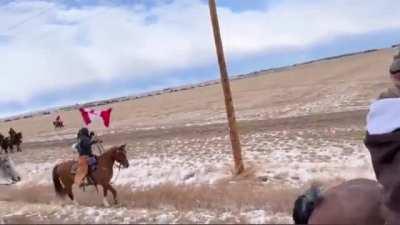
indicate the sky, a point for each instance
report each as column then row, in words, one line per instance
column 55, row 53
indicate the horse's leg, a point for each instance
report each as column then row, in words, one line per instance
column 114, row 193
column 105, row 202
column 70, row 194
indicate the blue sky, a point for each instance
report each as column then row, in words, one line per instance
column 64, row 52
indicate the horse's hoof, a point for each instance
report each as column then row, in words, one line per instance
column 105, row 202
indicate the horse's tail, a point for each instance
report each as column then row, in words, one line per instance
column 57, row 184
column 305, row 204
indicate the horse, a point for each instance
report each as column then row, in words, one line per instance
column 357, row 201
column 63, row 179
column 8, row 171
column 16, row 140
column 4, row 143
column 58, row 124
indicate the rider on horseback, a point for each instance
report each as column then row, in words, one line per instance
column 12, row 133
column 84, row 146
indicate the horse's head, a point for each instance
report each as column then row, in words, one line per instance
column 7, row 169
column 119, row 155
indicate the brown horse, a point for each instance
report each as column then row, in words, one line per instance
column 63, row 179
column 356, row 202
column 4, row 143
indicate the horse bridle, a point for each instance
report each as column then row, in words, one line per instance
column 100, row 148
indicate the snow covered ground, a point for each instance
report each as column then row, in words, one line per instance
column 286, row 159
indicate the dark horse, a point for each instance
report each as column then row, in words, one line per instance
column 356, row 202
column 4, row 143
column 63, row 179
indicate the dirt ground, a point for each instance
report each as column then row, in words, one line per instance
column 297, row 126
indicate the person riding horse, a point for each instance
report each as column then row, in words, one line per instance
column 14, row 139
column 12, row 133
column 58, row 123
column 84, row 146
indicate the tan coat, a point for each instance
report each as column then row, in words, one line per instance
column 82, row 170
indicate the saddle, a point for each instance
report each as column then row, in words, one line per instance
column 92, row 163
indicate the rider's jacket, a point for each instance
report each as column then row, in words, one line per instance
column 85, row 146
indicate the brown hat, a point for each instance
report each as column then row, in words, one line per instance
column 395, row 67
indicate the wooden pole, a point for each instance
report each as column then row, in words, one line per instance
column 230, row 111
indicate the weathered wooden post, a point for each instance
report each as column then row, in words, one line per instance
column 230, row 111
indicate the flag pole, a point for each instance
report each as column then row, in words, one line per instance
column 230, row 111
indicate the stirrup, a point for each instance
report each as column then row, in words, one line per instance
column 90, row 180
column 82, row 184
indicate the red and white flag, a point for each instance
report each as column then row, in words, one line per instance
column 88, row 115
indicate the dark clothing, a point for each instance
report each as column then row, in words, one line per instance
column 385, row 155
column 85, row 146
column 86, row 157
column 12, row 133
column 83, row 132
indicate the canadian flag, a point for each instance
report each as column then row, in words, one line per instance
column 88, row 115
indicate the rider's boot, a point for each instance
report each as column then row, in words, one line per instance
column 89, row 177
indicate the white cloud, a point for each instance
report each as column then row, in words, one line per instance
column 45, row 45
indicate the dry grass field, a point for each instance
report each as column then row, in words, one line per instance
column 300, row 125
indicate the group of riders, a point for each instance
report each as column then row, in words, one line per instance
column 8, row 143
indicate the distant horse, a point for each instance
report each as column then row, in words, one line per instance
column 58, row 124
column 356, row 202
column 63, row 178
column 7, row 170
column 17, row 141
column 4, row 143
